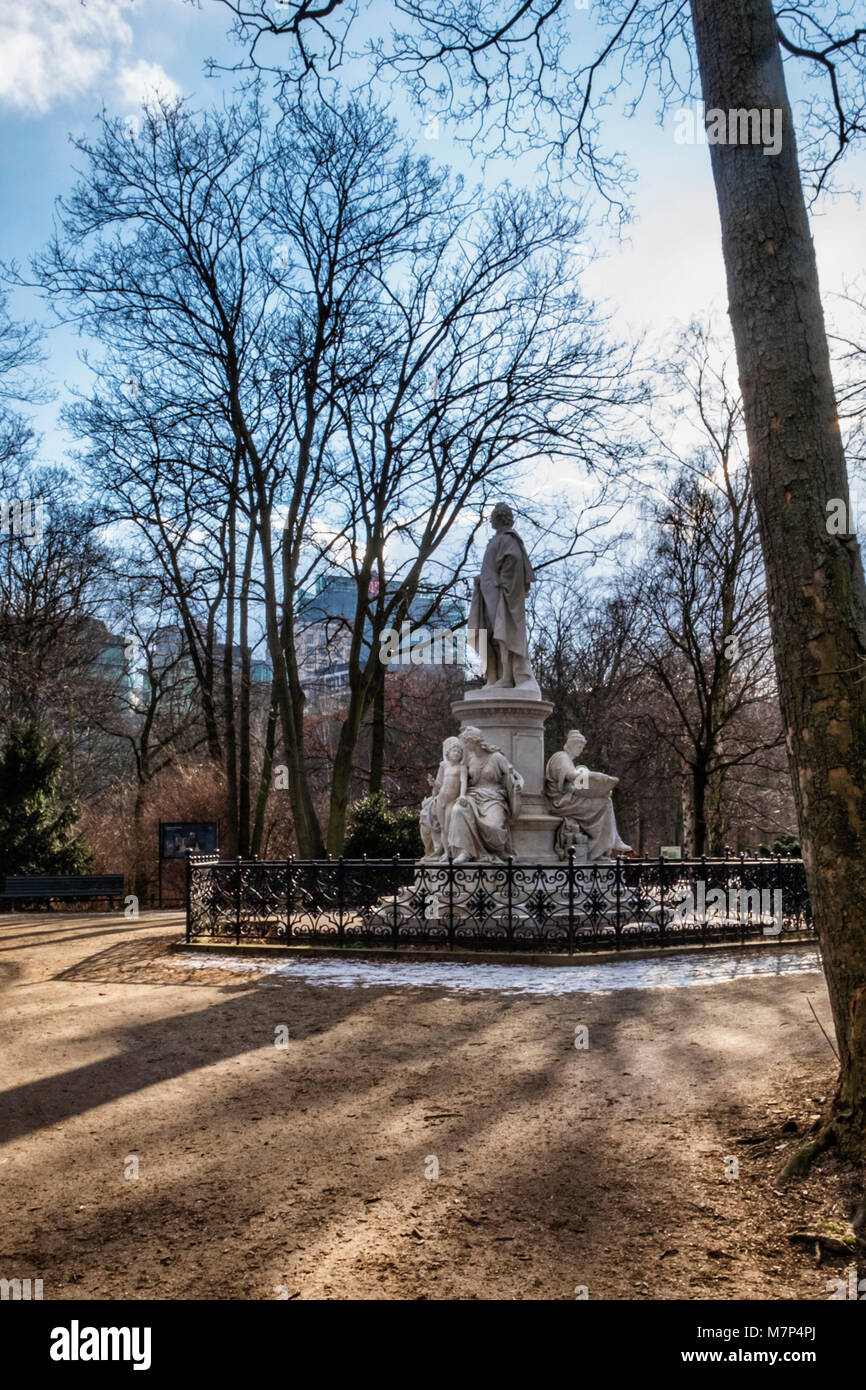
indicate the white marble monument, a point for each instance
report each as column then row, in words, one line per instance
column 492, row 796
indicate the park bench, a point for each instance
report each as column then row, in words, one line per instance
column 20, row 888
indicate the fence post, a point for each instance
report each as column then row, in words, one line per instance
column 704, row 923
column 188, row 894
column 290, row 889
column 341, row 927
column 509, row 886
column 366, row 931
column 740, row 900
column 663, row 909
column 395, row 925
column 238, row 902
column 618, row 872
column 450, row 902
column 571, row 900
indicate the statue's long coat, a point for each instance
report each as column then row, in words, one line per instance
column 499, row 598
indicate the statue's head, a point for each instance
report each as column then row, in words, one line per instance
column 575, row 743
column 472, row 738
column 502, row 517
column 452, row 749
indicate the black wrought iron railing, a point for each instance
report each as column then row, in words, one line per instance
column 560, row 907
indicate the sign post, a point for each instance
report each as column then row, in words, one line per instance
column 180, row 839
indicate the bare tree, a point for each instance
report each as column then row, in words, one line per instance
column 482, row 362
column 161, row 255
column 147, row 699
column 707, row 640
column 53, row 571
column 586, row 653
column 707, row 643
column 319, row 357
column 848, row 342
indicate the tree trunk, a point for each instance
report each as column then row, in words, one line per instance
column 290, row 701
column 377, row 737
column 815, row 580
column 341, row 777
column 232, row 838
column 280, row 633
column 694, row 803
column 687, row 815
column 265, row 776
column 140, row 878
column 244, row 702
column 717, row 813
column 699, row 809
column 679, row 837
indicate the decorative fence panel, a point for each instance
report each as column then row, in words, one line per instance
column 565, row 907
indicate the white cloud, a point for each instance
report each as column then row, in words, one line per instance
column 143, row 82
column 53, row 51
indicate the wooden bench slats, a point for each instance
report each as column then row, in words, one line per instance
column 62, row 886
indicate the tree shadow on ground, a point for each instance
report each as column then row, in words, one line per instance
column 150, row 1052
column 558, row 1168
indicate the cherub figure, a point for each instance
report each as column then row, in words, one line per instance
column 451, row 783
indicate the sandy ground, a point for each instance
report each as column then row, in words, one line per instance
column 307, row 1170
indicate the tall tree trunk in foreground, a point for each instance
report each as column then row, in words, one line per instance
column 815, row 579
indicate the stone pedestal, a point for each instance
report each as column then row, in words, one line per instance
column 514, row 721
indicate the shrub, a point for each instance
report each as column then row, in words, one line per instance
column 37, row 830
column 380, row 833
column 788, row 846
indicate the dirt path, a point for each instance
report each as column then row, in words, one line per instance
column 267, row 1171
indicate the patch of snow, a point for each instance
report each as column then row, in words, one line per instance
column 670, row 972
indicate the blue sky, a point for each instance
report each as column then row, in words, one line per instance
column 61, row 61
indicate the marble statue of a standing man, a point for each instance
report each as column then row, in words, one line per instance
column 499, row 605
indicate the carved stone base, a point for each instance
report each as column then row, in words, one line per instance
column 514, row 723
column 570, row 836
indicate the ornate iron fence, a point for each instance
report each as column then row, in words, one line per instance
column 567, row 907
